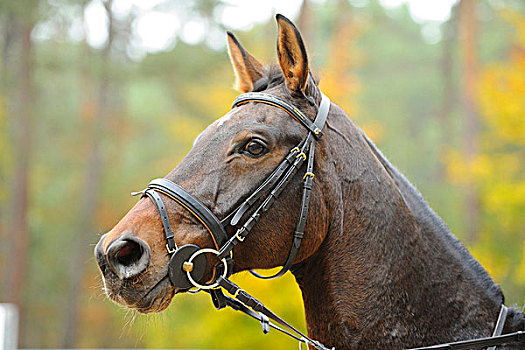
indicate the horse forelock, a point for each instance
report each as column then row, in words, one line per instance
column 274, row 77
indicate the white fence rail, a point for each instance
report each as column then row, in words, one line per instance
column 8, row 327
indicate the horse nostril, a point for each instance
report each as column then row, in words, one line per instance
column 128, row 256
column 130, row 253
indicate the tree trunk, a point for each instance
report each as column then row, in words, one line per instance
column 469, row 59
column 449, row 88
column 81, row 247
column 7, row 31
column 304, row 23
column 18, row 223
column 339, row 79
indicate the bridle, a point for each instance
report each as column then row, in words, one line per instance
column 188, row 263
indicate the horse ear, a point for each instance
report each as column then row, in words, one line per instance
column 292, row 57
column 247, row 69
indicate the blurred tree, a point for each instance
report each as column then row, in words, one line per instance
column 304, row 21
column 89, row 194
column 20, row 19
column 339, row 74
column 468, row 32
column 500, row 167
column 450, row 91
column 21, row 119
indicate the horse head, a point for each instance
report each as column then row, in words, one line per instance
column 229, row 160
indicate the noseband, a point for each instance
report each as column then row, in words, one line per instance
column 187, row 264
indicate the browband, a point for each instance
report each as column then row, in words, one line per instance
column 277, row 102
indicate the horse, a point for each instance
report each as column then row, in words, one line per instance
column 377, row 267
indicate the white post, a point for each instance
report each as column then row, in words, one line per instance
column 8, row 327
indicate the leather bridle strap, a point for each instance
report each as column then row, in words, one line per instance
column 245, row 229
column 171, row 246
column 499, row 323
column 320, row 121
column 221, row 301
column 479, row 343
column 300, row 156
column 263, row 319
column 265, row 186
column 490, row 342
column 313, row 127
column 190, row 203
column 257, row 306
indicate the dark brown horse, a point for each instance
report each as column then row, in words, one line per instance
column 378, row 269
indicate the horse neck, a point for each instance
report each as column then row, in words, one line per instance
column 389, row 273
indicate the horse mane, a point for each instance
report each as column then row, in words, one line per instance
column 274, row 75
column 426, row 215
column 414, row 200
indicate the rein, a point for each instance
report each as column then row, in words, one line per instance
column 491, row 342
column 187, row 264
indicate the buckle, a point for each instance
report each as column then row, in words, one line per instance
column 237, row 292
column 308, row 174
column 238, row 236
column 170, row 251
column 301, row 155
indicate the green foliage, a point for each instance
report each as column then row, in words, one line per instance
column 502, row 184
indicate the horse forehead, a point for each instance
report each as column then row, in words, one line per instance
column 233, row 116
column 254, row 112
column 241, row 113
column 220, row 122
column 216, row 124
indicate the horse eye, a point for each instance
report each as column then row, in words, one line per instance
column 255, row 148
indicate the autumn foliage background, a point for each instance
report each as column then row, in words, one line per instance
column 82, row 126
